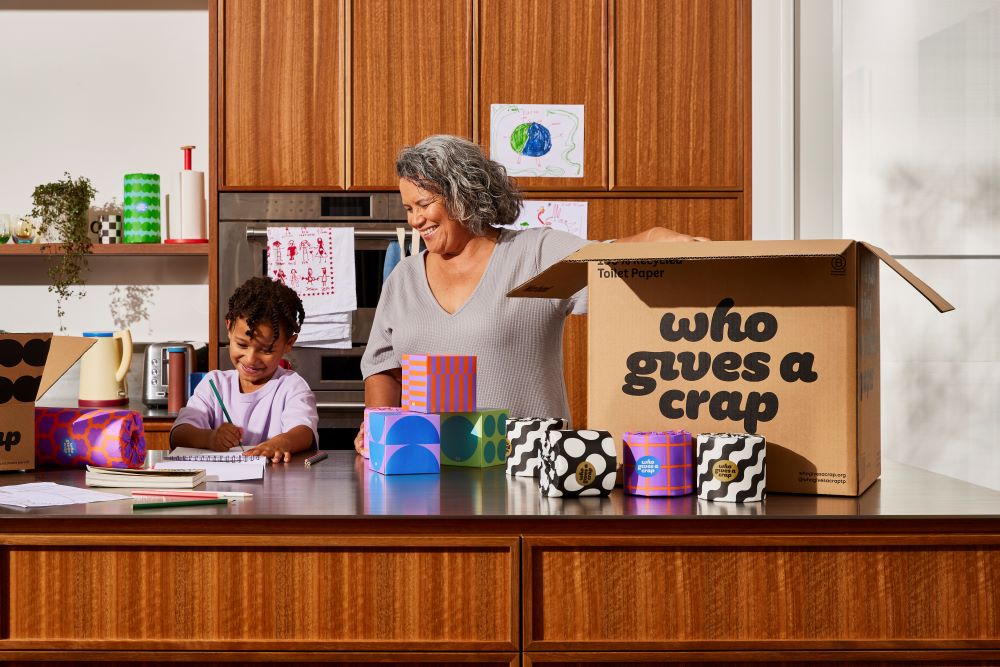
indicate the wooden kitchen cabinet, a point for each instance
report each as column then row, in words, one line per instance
column 410, row 74
column 548, row 52
column 681, row 94
column 281, row 94
column 719, row 217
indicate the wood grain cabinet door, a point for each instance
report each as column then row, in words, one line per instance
column 681, row 94
column 410, row 77
column 282, row 94
column 548, row 52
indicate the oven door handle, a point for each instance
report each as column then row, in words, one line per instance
column 358, row 233
column 337, row 405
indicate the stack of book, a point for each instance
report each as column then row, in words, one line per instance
column 161, row 478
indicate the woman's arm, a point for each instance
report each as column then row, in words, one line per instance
column 385, row 389
column 382, row 390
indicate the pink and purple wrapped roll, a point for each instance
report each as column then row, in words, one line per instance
column 76, row 437
column 658, row 463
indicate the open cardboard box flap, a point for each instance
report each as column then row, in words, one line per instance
column 565, row 278
column 63, row 353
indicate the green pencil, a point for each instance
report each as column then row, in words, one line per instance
column 223, row 406
column 219, row 396
column 180, row 503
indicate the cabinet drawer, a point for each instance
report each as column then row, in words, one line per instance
column 386, row 594
column 613, row 594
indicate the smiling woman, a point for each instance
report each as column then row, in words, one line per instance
column 451, row 298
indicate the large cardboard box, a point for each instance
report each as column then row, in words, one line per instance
column 779, row 338
column 29, row 364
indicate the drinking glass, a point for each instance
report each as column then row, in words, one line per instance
column 23, row 231
column 4, row 227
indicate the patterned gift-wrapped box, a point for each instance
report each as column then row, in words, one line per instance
column 402, row 443
column 525, row 437
column 368, row 430
column 476, row 439
column 439, row 383
column 658, row 463
column 578, row 463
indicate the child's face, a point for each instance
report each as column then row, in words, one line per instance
column 255, row 359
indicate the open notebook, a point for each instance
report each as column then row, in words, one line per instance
column 228, row 466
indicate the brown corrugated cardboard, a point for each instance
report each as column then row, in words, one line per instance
column 779, row 338
column 29, row 365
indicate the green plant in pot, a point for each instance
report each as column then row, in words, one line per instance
column 62, row 207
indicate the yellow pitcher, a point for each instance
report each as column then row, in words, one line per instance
column 103, row 369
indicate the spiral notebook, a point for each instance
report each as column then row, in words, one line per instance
column 228, row 466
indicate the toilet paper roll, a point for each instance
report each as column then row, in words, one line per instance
column 192, row 205
column 731, row 467
column 658, row 463
column 142, row 208
column 77, row 437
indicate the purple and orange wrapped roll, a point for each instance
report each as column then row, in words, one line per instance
column 76, row 437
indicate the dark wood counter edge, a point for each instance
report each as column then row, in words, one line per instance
column 931, row 530
column 137, row 655
column 404, row 648
column 953, row 656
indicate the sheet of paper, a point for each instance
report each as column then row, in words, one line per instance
column 49, row 494
column 568, row 216
column 218, row 471
column 538, row 139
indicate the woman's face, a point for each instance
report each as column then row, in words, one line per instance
column 426, row 212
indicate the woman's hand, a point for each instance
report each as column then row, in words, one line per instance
column 359, row 440
column 225, row 438
column 657, row 234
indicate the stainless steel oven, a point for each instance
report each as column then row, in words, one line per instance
column 333, row 374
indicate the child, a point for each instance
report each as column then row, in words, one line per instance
column 273, row 409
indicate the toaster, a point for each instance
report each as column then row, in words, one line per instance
column 154, row 371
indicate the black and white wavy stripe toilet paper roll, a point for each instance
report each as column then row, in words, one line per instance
column 731, row 467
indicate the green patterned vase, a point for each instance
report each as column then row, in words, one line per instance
column 142, row 208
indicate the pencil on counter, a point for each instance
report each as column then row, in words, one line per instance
column 181, row 493
column 315, row 458
column 180, row 503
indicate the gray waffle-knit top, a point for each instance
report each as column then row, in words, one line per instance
column 518, row 341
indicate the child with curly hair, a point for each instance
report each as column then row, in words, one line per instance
column 273, row 409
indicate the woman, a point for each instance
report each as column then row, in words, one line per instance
column 451, row 298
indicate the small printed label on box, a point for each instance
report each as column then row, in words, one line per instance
column 725, row 470
column 585, row 473
column 647, row 466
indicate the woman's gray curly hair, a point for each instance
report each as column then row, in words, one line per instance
column 476, row 190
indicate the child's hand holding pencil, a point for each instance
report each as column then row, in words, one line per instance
column 225, row 438
column 228, row 435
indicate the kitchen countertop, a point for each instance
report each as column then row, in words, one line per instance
column 341, row 487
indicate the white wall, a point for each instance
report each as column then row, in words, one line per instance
column 101, row 88
column 897, row 142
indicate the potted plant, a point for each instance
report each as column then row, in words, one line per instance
column 62, row 207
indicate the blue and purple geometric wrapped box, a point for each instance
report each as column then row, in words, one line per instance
column 403, row 443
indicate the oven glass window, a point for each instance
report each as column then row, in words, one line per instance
column 340, row 368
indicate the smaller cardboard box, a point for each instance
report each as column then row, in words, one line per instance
column 30, row 363
column 779, row 338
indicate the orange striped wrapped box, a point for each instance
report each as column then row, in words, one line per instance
column 439, row 383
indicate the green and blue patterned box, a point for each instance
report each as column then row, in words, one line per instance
column 474, row 439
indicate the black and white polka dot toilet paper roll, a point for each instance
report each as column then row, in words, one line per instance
column 731, row 467
column 578, row 463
